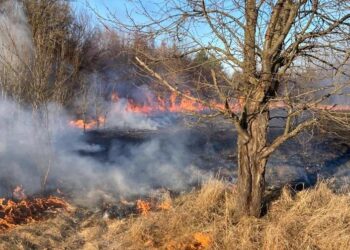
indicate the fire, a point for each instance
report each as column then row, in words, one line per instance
column 151, row 105
column 143, row 207
column 13, row 213
column 202, row 240
column 184, row 105
column 90, row 124
column 197, row 241
column 165, row 205
column 174, row 103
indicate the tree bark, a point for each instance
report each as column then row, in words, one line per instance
column 251, row 168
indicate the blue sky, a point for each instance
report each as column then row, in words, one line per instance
column 101, row 5
column 117, row 7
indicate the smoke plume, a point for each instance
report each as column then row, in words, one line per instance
column 15, row 36
column 32, row 142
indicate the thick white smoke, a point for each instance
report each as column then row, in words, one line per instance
column 29, row 147
column 33, row 142
column 118, row 116
column 16, row 45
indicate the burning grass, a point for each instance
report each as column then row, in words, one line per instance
column 310, row 219
column 13, row 213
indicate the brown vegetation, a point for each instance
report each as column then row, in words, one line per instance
column 266, row 42
column 47, row 70
column 57, row 67
column 26, row 210
column 311, row 219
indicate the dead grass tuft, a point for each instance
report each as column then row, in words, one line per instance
column 311, row 219
column 315, row 219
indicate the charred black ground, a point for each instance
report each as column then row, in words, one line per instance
column 299, row 162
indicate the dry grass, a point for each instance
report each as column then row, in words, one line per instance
column 311, row 219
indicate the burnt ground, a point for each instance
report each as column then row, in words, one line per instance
column 299, row 162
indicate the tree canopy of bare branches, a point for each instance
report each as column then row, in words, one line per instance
column 266, row 42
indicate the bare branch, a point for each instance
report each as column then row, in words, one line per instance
column 281, row 139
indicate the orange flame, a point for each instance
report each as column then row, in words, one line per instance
column 175, row 103
column 203, row 240
column 26, row 210
column 197, row 241
column 143, row 207
column 80, row 123
column 165, row 205
column 157, row 104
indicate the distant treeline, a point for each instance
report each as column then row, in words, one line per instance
column 50, row 53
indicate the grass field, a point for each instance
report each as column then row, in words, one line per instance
column 315, row 218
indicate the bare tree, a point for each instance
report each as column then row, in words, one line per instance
column 266, row 42
column 41, row 47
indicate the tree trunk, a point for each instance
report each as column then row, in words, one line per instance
column 251, row 167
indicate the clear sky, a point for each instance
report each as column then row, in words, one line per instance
column 103, row 7
column 120, row 7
